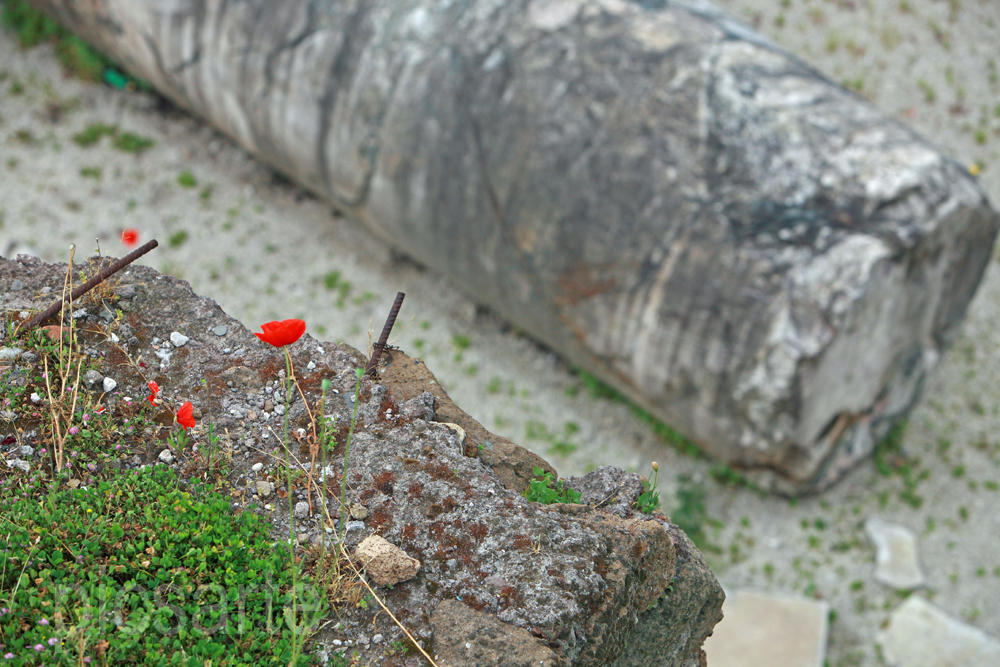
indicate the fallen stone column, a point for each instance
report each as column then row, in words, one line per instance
column 743, row 247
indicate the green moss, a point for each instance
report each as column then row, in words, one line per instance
column 91, row 172
column 132, row 143
column 93, row 133
column 186, row 179
column 177, row 239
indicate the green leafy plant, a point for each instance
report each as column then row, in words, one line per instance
column 649, row 501
column 546, row 490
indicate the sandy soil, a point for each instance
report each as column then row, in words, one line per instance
column 267, row 250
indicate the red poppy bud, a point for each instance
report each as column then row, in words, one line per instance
column 155, row 388
column 130, row 237
column 282, row 333
column 185, row 416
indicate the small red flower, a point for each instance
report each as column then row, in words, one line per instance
column 185, row 416
column 130, row 237
column 155, row 388
column 282, row 333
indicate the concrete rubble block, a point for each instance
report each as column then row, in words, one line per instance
column 384, row 562
column 597, row 583
column 921, row 635
column 748, row 250
column 896, row 560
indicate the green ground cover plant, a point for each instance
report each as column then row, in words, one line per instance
column 113, row 574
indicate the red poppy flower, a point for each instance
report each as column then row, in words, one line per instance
column 155, row 388
column 282, row 333
column 185, row 416
column 130, row 237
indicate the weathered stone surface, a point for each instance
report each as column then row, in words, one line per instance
column 597, row 583
column 696, row 217
column 921, row 635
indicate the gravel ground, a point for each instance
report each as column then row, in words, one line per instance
column 267, row 250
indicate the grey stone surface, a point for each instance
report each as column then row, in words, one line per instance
column 693, row 215
column 921, row 635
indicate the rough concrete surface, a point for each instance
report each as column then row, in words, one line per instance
column 587, row 580
column 267, row 251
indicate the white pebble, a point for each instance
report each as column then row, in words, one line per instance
column 256, row 467
column 178, row 339
column 166, row 456
column 35, row 398
column 109, row 384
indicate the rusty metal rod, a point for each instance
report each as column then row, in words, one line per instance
column 114, row 268
column 384, row 338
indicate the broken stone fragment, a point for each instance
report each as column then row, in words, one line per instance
column 896, row 563
column 919, row 633
column 384, row 562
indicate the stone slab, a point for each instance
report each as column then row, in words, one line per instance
column 921, row 635
column 763, row 630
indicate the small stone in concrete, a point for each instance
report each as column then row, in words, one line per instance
column 921, row 635
column 91, row 378
column 357, row 510
column 220, row 330
column 896, row 563
column 264, row 489
column 384, row 562
column 761, row 630
column 178, row 339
